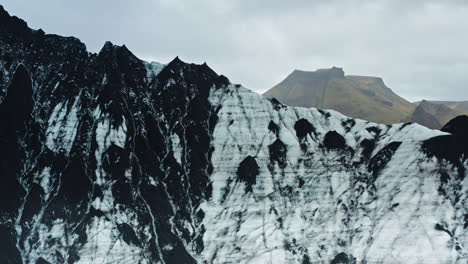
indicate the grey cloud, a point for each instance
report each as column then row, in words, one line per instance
column 418, row 47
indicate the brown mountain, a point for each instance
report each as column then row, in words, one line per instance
column 361, row 97
column 356, row 96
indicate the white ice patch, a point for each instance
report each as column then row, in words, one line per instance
column 176, row 148
column 255, row 227
column 45, row 181
column 170, row 83
column 153, row 69
column 57, row 230
column 105, row 245
column 62, row 126
column 106, row 203
column 56, row 85
column 106, row 135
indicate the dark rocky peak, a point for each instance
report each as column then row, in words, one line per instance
column 109, row 50
column 120, row 58
column 16, row 29
column 178, row 64
column 65, row 57
column 119, row 71
column 13, row 24
column 182, row 85
column 58, row 44
column 108, row 47
column 457, row 126
column 201, row 75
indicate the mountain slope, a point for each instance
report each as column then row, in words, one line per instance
column 357, row 96
column 433, row 115
column 300, row 81
column 461, row 106
column 422, row 115
column 107, row 159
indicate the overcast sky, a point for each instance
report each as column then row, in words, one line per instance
column 419, row 48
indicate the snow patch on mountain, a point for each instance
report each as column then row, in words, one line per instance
column 62, row 126
column 153, row 69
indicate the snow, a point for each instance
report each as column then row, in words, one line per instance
column 153, row 69
column 45, row 181
column 62, row 126
column 177, row 148
column 321, row 203
column 105, row 245
column 393, row 225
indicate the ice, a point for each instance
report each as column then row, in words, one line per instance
column 153, row 69
column 62, row 126
column 333, row 212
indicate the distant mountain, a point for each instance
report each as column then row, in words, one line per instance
column 433, row 115
column 357, row 96
column 422, row 115
column 361, row 97
column 459, row 106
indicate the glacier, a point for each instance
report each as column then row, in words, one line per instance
column 105, row 158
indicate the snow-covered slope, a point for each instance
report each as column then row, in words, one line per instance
column 376, row 198
column 105, row 158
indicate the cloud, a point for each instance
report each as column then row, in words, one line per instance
column 418, row 47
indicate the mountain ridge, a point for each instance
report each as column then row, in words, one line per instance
column 460, row 106
column 107, row 159
column 349, row 94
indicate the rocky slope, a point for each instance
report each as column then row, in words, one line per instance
column 433, row 115
column 105, row 158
